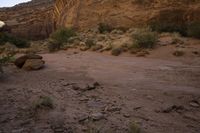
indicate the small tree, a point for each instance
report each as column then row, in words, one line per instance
column 144, row 38
column 62, row 35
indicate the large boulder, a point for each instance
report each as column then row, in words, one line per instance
column 33, row 64
column 19, row 62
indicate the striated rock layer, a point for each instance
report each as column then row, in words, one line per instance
column 38, row 18
column 85, row 14
column 32, row 20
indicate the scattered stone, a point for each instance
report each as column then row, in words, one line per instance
column 195, row 52
column 84, row 99
column 33, row 64
column 97, row 47
column 191, row 117
column 86, row 87
column 96, row 84
column 142, row 53
column 116, row 31
column 178, row 53
column 18, row 130
column 194, row 104
column 19, row 62
column 114, row 109
column 137, row 108
column 173, row 108
column 97, row 116
column 84, row 48
column 127, row 115
column 83, row 118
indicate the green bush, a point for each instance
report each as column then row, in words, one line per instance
column 193, row 29
column 170, row 20
column 169, row 27
column 116, row 51
column 144, row 38
column 104, row 28
column 6, row 59
column 62, row 35
column 20, row 43
column 90, row 42
column 53, row 45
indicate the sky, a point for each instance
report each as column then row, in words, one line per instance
column 9, row 3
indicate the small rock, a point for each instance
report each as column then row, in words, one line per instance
column 18, row 131
column 97, row 47
column 83, row 119
column 137, row 108
column 126, row 115
column 195, row 52
column 194, row 103
column 191, row 117
column 178, row 53
column 97, row 116
column 114, row 109
column 173, row 108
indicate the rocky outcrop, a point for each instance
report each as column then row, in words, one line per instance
column 84, row 14
column 38, row 18
column 32, row 20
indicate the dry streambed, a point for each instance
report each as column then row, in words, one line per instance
column 91, row 92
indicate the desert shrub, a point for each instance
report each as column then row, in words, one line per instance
column 116, row 51
column 169, row 27
column 134, row 128
column 53, row 45
column 43, row 102
column 144, row 38
column 170, row 20
column 89, row 42
column 62, row 35
column 104, row 28
column 20, row 43
column 176, row 38
column 193, row 29
column 6, row 58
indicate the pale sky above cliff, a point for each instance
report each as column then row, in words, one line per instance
column 9, row 3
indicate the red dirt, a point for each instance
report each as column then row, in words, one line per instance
column 157, row 94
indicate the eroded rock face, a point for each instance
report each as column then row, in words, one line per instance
column 32, row 20
column 84, row 14
column 38, row 18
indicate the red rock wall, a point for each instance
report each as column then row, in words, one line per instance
column 32, row 20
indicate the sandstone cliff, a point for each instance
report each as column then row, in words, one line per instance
column 38, row 18
column 85, row 14
column 32, row 20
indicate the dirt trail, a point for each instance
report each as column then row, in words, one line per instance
column 161, row 96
